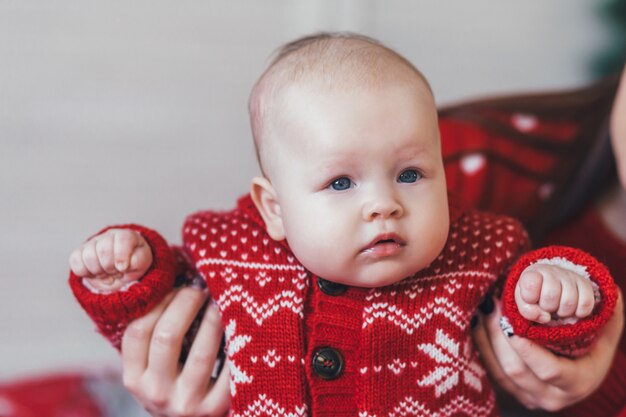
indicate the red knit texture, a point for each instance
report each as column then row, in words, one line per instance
column 406, row 348
column 567, row 339
column 112, row 312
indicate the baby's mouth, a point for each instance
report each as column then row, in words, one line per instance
column 387, row 244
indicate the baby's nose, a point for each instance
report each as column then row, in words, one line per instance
column 382, row 208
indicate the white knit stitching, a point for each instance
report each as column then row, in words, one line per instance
column 250, row 265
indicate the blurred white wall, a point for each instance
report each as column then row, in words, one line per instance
column 136, row 111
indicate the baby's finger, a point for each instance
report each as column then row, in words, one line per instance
column 140, row 261
column 569, row 298
column 90, row 258
column 529, row 311
column 77, row 265
column 124, row 243
column 530, row 286
column 550, row 293
column 586, row 298
column 104, row 250
column 199, row 366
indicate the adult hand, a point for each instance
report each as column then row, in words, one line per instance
column 538, row 378
column 151, row 349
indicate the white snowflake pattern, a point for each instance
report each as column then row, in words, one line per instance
column 233, row 345
column 450, row 365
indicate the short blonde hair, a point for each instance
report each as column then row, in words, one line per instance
column 336, row 60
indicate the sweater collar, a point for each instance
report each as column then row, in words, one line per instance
column 248, row 208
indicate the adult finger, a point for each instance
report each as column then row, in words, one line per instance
column 167, row 338
column 217, row 401
column 491, row 362
column 136, row 343
column 565, row 372
column 198, row 368
column 524, row 384
column 548, row 367
column 509, row 360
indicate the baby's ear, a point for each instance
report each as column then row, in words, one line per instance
column 264, row 197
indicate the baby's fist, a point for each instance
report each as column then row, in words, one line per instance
column 113, row 259
column 545, row 291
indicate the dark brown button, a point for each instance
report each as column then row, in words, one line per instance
column 327, row 363
column 331, row 288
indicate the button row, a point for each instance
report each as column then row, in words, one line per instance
column 327, row 363
column 331, row 288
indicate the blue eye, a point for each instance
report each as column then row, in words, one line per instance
column 341, row 183
column 410, row 175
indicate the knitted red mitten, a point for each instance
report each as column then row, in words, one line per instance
column 112, row 312
column 573, row 339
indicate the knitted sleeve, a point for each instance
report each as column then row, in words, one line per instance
column 111, row 312
column 208, row 241
column 566, row 337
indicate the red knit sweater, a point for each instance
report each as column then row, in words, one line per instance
column 506, row 157
column 300, row 346
column 588, row 232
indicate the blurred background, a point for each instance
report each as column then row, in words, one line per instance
column 136, row 111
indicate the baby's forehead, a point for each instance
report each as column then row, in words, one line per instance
column 373, row 73
column 316, row 117
column 326, row 66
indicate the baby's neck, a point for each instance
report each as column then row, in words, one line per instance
column 612, row 209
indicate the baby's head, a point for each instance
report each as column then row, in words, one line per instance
column 347, row 137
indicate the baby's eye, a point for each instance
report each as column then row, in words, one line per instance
column 410, row 175
column 341, row 183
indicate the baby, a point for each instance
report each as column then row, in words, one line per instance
column 346, row 280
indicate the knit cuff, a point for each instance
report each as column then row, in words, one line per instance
column 572, row 339
column 112, row 312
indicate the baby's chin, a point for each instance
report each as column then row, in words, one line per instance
column 371, row 279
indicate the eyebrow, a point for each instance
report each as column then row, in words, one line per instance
column 412, row 151
column 341, row 160
column 335, row 162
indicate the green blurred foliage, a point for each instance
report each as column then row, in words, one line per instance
column 612, row 59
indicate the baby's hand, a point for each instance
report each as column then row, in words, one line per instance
column 545, row 291
column 113, row 259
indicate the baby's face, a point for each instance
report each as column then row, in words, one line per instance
column 360, row 182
